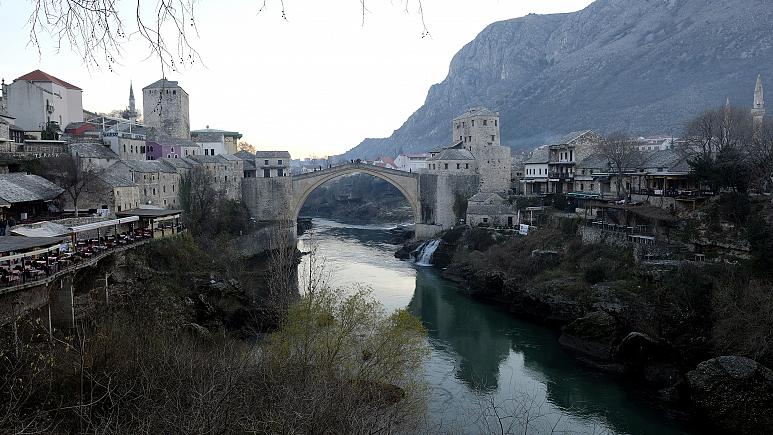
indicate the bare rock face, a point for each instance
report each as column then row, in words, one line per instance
column 734, row 393
column 642, row 66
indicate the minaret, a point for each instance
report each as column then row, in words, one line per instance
column 131, row 99
column 758, row 110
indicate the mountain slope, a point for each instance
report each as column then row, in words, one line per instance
column 644, row 66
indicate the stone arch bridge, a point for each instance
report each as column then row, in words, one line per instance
column 408, row 183
column 432, row 197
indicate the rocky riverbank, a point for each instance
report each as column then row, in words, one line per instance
column 661, row 329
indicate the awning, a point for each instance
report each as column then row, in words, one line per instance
column 41, row 229
column 103, row 224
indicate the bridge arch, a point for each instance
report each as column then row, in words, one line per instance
column 406, row 182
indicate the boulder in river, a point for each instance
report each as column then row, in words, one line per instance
column 593, row 338
column 734, row 393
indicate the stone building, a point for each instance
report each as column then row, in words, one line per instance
column 110, row 193
column 454, row 160
column 227, row 172
column 591, row 176
column 158, row 183
column 165, row 107
column 564, row 155
column 476, row 132
column 24, row 196
column 248, row 160
column 215, row 142
column 127, row 139
column 490, row 209
column 37, row 98
column 94, row 156
column 272, row 164
column 478, row 129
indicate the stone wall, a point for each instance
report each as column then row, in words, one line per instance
column 268, row 199
column 494, row 167
column 438, row 193
column 167, row 110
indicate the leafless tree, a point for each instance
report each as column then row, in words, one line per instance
column 198, row 197
column 623, row 155
column 715, row 131
column 760, row 157
column 98, row 29
column 70, row 174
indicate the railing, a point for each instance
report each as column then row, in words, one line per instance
column 560, row 175
column 34, row 270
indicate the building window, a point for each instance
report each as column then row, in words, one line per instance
column 484, row 122
column 591, row 186
column 582, row 186
column 154, row 191
column 265, row 162
column 493, row 137
column 495, row 123
column 466, row 166
column 279, row 162
column 457, row 126
column 280, row 172
column 124, row 148
column 458, row 166
column 445, row 165
column 460, row 138
column 473, row 122
column 485, row 220
column 266, row 173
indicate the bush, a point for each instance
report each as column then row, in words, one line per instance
column 595, row 273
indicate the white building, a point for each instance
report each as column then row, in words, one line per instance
column 215, row 142
column 411, row 162
column 37, row 98
column 535, row 172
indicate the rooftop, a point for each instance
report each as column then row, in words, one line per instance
column 453, row 154
column 235, row 134
column 272, row 154
column 92, row 150
column 540, row 155
column 245, row 155
column 21, row 243
column 163, row 84
column 20, row 187
column 40, row 76
column 570, row 137
column 477, row 111
column 148, row 212
column 146, row 166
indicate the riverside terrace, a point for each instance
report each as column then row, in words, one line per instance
column 46, row 250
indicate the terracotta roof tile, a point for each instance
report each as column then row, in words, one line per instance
column 40, row 76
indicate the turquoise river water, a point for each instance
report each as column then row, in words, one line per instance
column 484, row 362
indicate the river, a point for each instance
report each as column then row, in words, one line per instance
column 484, row 362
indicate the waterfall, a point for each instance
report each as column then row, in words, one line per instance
column 425, row 251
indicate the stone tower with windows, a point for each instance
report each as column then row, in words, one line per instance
column 165, row 107
column 758, row 110
column 477, row 130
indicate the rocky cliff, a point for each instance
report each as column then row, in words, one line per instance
column 644, row 66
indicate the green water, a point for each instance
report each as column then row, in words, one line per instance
column 485, row 366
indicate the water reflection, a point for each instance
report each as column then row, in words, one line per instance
column 481, row 353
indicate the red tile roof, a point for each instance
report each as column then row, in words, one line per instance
column 40, row 76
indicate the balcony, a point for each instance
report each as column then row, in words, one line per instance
column 560, row 175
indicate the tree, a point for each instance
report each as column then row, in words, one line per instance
column 198, row 197
column 98, row 29
column 623, row 155
column 76, row 179
column 716, row 147
column 246, row 146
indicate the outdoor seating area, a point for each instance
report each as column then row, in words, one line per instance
column 54, row 248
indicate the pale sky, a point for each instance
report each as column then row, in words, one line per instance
column 315, row 84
